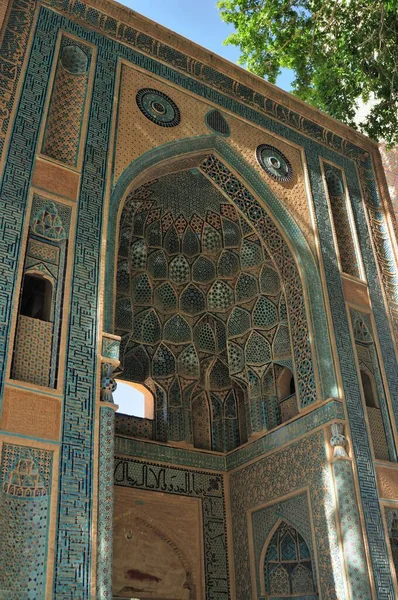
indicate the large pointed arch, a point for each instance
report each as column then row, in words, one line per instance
column 268, row 209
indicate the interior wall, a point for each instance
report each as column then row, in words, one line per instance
column 157, row 545
column 170, row 540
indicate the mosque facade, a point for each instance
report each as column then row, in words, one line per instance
column 173, row 223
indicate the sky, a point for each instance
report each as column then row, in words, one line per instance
column 199, row 21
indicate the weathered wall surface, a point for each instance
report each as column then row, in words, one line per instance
column 170, row 530
column 157, row 545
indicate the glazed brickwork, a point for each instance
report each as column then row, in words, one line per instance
column 378, row 415
column 353, row 544
column 198, row 294
column 36, row 345
column 117, row 151
column 24, row 517
column 265, row 481
column 32, row 356
column 64, row 119
column 265, row 523
column 341, row 219
column 287, row 268
column 134, row 426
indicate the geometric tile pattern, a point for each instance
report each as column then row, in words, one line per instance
column 15, row 178
column 377, row 433
column 73, row 560
column 351, row 531
column 251, row 105
column 24, row 505
column 105, row 503
column 61, row 140
column 217, row 123
column 36, row 343
column 209, row 487
column 294, row 511
column 266, row 480
column 256, row 107
column 158, row 108
column 12, row 50
column 201, row 313
column 274, row 440
column 73, row 563
column 287, row 565
column 141, row 449
column 32, row 354
column 359, row 435
column 274, row 163
column 379, row 417
column 284, row 261
column 133, row 426
column 48, row 224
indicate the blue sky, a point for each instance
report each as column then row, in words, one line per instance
column 199, row 21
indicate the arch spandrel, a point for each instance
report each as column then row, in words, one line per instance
column 273, row 223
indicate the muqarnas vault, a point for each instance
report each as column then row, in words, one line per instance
column 173, row 224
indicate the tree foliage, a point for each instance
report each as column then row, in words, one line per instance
column 343, row 53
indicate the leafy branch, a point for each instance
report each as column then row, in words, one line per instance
column 343, row 53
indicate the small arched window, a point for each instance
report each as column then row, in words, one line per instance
column 287, row 565
column 36, row 297
column 369, row 390
column 134, row 399
column 286, row 385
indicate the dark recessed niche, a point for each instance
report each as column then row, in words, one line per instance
column 36, row 297
column 217, row 123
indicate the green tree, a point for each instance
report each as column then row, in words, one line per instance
column 343, row 53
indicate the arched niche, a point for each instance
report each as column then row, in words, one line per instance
column 286, row 564
column 200, row 300
column 266, row 213
column 369, row 389
column 36, row 296
column 148, row 560
column 286, row 384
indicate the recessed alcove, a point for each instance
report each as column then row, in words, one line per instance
column 201, row 311
column 36, row 297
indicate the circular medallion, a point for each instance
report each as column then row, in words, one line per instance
column 274, row 162
column 158, row 108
